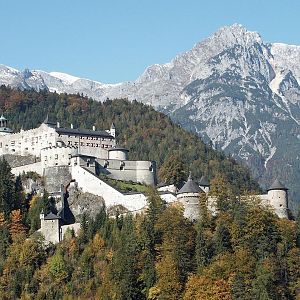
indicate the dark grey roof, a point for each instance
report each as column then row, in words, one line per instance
column 118, row 149
column 51, row 216
column 112, row 126
column 190, row 187
column 82, row 155
column 204, row 181
column 87, row 132
column 277, row 185
column 166, row 193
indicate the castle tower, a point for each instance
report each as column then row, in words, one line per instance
column 188, row 195
column 4, row 130
column 112, row 130
column 278, row 198
column 50, row 227
column 204, row 184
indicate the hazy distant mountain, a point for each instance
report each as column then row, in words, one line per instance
column 236, row 91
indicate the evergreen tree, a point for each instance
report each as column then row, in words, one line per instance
column 298, row 229
column 7, row 190
column 173, row 171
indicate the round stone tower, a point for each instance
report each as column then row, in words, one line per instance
column 118, row 153
column 4, row 130
column 188, row 195
column 278, row 198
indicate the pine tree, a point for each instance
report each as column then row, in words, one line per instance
column 7, row 191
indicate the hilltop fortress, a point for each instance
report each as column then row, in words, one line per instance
column 80, row 156
column 53, row 146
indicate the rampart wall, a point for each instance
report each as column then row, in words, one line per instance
column 136, row 171
column 90, row 183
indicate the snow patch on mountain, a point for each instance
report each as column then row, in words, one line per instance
column 68, row 79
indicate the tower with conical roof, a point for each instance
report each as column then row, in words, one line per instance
column 4, row 130
column 204, row 184
column 278, row 198
column 112, row 130
column 188, row 196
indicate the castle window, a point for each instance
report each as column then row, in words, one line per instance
column 1, row 145
column 56, row 156
column 45, row 158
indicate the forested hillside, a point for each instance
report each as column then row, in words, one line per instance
column 148, row 134
column 245, row 252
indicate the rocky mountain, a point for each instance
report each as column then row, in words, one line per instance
column 236, row 91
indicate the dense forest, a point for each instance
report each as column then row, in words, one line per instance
column 243, row 252
column 148, row 134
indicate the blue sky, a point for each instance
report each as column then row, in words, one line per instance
column 112, row 41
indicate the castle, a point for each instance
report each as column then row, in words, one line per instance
column 65, row 155
column 52, row 146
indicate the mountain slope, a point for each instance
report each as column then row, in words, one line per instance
column 236, row 91
column 148, row 134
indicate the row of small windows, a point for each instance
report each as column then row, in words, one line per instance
column 70, row 143
column 36, row 138
column 88, row 138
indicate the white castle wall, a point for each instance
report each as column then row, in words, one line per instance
column 28, row 142
column 168, row 197
column 36, row 167
column 89, row 145
column 137, row 171
column 33, row 140
column 88, row 182
column 57, row 156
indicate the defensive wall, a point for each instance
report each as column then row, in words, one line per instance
column 136, row 171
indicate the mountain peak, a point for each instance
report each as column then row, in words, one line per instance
column 238, row 34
